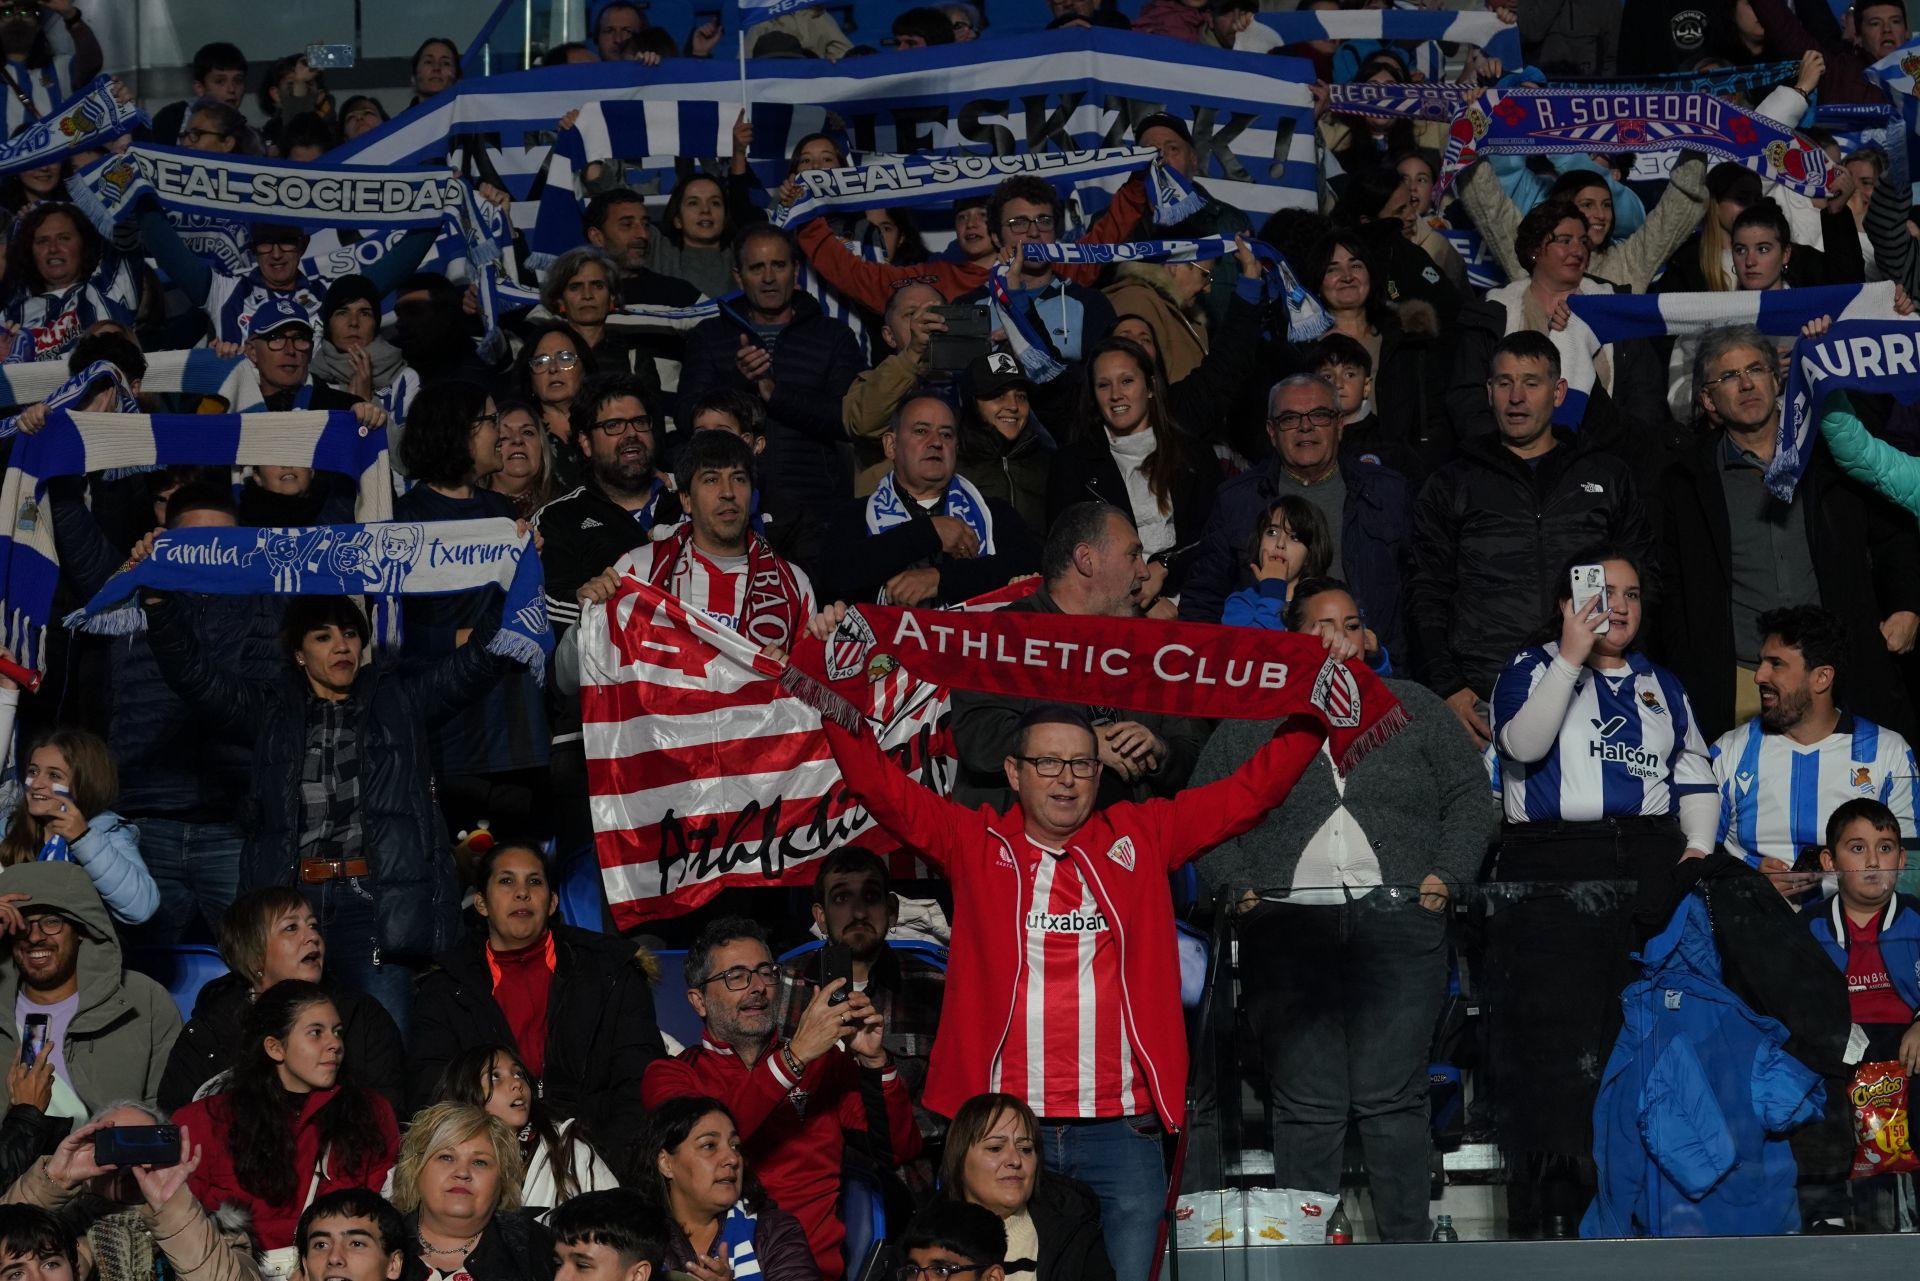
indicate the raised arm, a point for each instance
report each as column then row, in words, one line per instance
column 195, row 675
column 930, row 825
column 1866, row 458
column 405, row 259
column 184, row 267
column 1188, row 825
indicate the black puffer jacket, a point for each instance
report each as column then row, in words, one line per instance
column 404, row 837
column 1491, row 535
column 601, row 1032
column 211, row 1041
column 1066, row 1219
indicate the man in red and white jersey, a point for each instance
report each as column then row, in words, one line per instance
column 1063, row 988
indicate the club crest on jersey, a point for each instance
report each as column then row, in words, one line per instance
column 847, row 648
column 1651, row 701
column 1861, row 779
column 1337, row 694
column 1121, row 852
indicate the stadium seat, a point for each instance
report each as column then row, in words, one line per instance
column 920, row 950
column 863, row 1209
column 182, row 969
column 672, row 1012
column 583, row 901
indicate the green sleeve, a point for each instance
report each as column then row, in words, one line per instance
column 1866, row 458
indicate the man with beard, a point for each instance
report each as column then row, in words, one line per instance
column 108, row 1031
column 39, row 80
column 793, row 1100
column 1732, row 551
column 1784, row 772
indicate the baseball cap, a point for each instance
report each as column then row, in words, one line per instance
column 1164, row 120
column 993, row 373
column 277, row 313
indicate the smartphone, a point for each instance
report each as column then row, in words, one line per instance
column 968, row 325
column 123, row 1145
column 836, row 962
column 326, row 57
column 1589, row 585
column 33, row 1038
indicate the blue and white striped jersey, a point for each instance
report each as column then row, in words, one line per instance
column 1776, row 794
column 1628, row 746
column 232, row 300
column 51, row 323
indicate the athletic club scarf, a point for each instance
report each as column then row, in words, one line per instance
column 196, row 370
column 386, row 561
column 78, row 444
column 1498, row 39
column 774, row 609
column 1547, row 122
column 886, row 509
column 71, row 392
column 1306, row 318
column 1777, row 313
column 1868, row 355
column 1184, row 669
column 84, row 122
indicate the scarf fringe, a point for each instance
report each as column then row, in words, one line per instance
column 822, row 700
column 521, row 649
column 131, row 621
column 1391, row 722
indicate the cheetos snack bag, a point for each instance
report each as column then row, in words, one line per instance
column 1881, row 1121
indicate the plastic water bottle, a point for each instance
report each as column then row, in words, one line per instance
column 55, row 848
column 1443, row 1229
column 1339, row 1230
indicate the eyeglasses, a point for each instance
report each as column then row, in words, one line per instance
column 1312, row 419
column 1753, row 373
column 939, row 1270
column 302, row 340
column 740, row 977
column 564, row 359
column 611, row 427
column 1050, row 766
column 192, row 136
column 48, row 926
column 484, row 421
column 1023, row 225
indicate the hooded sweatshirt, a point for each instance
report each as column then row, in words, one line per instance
column 120, row 1035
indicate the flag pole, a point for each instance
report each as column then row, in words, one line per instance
column 744, row 104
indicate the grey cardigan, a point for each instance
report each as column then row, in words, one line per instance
column 1422, row 798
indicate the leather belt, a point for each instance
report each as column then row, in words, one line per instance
column 316, row 871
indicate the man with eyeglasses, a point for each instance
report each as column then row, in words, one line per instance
column 1494, row 529
column 952, row 1238
column 1169, row 135
column 108, row 1031
column 794, row 1100
column 1063, row 985
column 1368, row 506
column 279, row 343
column 1731, row 552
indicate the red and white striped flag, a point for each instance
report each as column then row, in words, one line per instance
column 703, row 773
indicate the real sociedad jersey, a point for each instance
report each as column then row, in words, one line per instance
column 1776, row 794
column 231, row 300
column 1628, row 745
column 51, row 323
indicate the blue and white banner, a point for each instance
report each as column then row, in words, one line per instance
column 1726, row 80
column 195, row 370
column 85, row 122
column 1495, row 38
column 79, row 444
column 1777, row 313
column 1066, row 90
column 1868, row 355
column 70, row 394
column 1483, row 269
column 752, row 11
column 1306, row 318
column 391, row 559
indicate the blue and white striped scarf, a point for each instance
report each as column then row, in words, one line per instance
column 1778, row 313
column 1727, row 80
column 1418, row 101
column 384, row 560
column 85, row 122
column 1870, row 355
column 1548, row 122
column 1029, row 346
column 738, row 1229
column 1306, row 318
column 74, row 390
column 78, row 444
column 886, row 508
column 194, row 370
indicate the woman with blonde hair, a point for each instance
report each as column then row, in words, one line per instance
column 458, row 1181
column 992, row 1159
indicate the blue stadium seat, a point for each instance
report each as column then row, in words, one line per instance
column 929, row 953
column 183, row 970
column 672, row 1012
column 863, row 1209
column 583, row 901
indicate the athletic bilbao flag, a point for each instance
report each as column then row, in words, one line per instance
column 703, row 773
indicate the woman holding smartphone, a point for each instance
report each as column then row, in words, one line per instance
column 1606, row 785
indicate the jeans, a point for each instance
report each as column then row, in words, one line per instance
column 1123, row 1161
column 195, row 866
column 350, row 924
column 1343, row 998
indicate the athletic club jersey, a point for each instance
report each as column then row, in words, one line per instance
column 1067, row 1051
column 1775, row 794
column 1628, row 746
column 231, row 300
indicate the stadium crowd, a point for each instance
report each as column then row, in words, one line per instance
column 414, row 1067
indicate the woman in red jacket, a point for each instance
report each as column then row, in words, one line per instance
column 290, row 1126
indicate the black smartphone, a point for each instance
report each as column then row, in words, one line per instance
column 836, row 962
column 968, row 327
column 33, row 1038
column 124, row 1145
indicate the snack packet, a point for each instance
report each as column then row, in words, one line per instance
column 1881, row 1121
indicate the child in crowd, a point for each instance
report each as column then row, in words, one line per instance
column 1289, row 543
column 1347, row 366
column 951, row 1239
column 610, row 1235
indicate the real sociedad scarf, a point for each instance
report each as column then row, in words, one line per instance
column 85, row 122
column 1306, row 318
column 1498, row 39
column 1417, row 101
column 77, row 444
column 1186, row 669
column 886, row 508
column 739, row 1226
column 70, row 393
column 1777, row 313
column 1868, row 355
column 1584, row 121
column 1030, row 346
column 1575, row 343
column 385, row 560
column 194, row 370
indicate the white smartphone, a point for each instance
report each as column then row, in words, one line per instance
column 1589, row 585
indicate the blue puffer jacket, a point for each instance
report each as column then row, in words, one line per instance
column 1899, row 941
column 1697, row 1098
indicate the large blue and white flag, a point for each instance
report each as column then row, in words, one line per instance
column 752, row 11
column 1066, row 90
column 1778, row 313
column 1495, row 38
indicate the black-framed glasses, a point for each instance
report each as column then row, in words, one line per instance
column 1023, row 225
column 47, row 926
column 1294, row 420
column 564, row 359
column 611, row 427
column 301, row 339
column 741, row 977
column 939, row 1270
column 1739, row 377
column 192, row 137
column 1050, row 766
column 485, row 421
